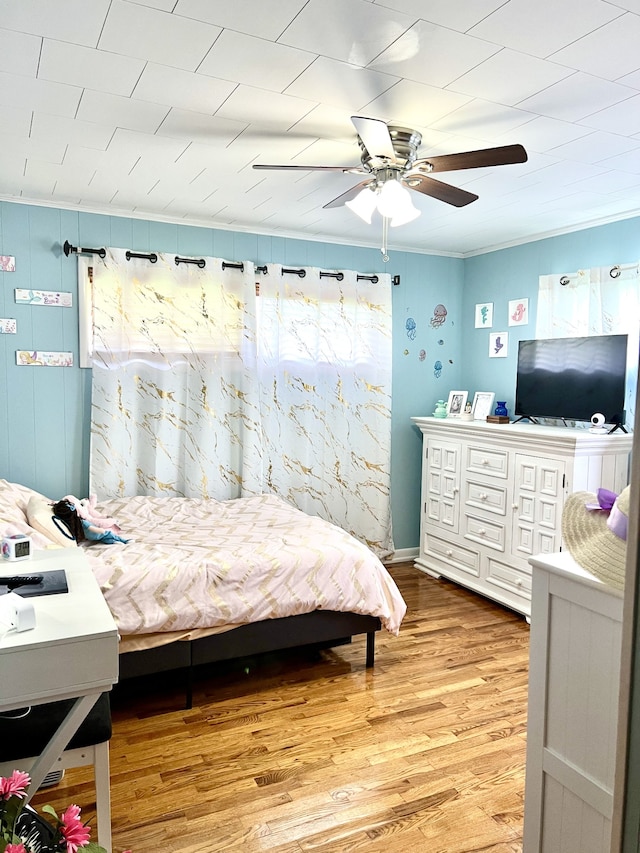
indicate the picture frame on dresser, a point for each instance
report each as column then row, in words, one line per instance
column 482, row 404
column 456, row 403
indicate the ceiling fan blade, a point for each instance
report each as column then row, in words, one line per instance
column 345, row 197
column 438, row 189
column 502, row 156
column 356, row 170
column 375, row 135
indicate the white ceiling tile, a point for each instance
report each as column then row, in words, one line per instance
column 610, row 52
column 595, row 147
column 455, row 16
column 157, row 36
column 12, row 169
column 116, row 163
column 163, row 5
column 16, row 121
column 197, row 127
column 28, row 93
column 629, row 162
column 330, row 122
column 544, row 134
column 415, row 103
column 339, row 84
column 117, row 111
column 545, row 26
column 434, row 55
column 86, row 133
column 576, row 97
column 264, row 64
column 85, row 66
column 36, row 147
column 184, row 89
column 352, row 31
column 266, row 19
column 632, row 80
column 75, row 21
column 271, row 109
column 483, row 120
column 19, row 53
column 126, row 143
column 510, row 77
column 622, row 118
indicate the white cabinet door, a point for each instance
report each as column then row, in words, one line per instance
column 539, row 493
column 442, row 500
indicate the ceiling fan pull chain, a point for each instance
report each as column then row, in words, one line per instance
column 385, row 236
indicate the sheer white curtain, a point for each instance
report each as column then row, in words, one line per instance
column 596, row 301
column 173, row 377
column 324, row 365
column 203, row 389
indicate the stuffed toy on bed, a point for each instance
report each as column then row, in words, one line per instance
column 81, row 522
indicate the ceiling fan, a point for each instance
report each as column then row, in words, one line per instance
column 390, row 165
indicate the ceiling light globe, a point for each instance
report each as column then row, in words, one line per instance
column 393, row 199
column 363, row 204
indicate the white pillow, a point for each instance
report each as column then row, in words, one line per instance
column 40, row 517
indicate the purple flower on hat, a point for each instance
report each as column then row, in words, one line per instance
column 606, row 500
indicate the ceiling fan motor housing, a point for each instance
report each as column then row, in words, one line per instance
column 405, row 145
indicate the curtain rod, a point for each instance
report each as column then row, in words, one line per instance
column 68, row 249
column 239, row 265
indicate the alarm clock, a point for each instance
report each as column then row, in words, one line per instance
column 16, row 547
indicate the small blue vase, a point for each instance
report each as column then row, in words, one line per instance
column 501, row 409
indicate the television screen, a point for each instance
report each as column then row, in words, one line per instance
column 572, row 378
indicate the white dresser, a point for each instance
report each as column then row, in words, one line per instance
column 492, row 497
column 574, row 675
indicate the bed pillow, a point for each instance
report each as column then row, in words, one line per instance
column 39, row 516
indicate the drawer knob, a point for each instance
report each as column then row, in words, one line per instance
column 449, row 553
column 485, row 462
column 482, row 531
column 483, row 496
column 518, row 582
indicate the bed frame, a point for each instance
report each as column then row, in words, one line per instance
column 324, row 628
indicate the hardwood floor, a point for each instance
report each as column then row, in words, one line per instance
column 296, row 753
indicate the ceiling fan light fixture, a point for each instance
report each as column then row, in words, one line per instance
column 363, row 204
column 393, row 199
column 406, row 215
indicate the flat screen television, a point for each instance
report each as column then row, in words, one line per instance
column 572, row 378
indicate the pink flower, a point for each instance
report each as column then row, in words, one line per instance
column 15, row 785
column 15, row 848
column 74, row 832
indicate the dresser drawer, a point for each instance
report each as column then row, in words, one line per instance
column 508, row 577
column 466, row 559
column 488, row 496
column 484, row 531
column 487, row 460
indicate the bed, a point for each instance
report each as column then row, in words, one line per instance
column 201, row 581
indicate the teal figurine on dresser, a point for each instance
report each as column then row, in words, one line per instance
column 441, row 409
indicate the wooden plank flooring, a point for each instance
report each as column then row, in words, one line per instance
column 299, row 752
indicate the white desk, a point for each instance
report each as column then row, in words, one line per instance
column 71, row 653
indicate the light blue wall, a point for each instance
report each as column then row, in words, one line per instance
column 513, row 273
column 44, row 419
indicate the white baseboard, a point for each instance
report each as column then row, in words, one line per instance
column 402, row 555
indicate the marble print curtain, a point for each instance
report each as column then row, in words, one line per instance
column 202, row 388
column 596, row 301
column 324, row 367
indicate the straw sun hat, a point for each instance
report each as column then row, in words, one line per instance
column 594, row 528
